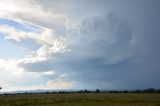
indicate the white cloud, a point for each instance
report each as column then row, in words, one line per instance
column 30, row 13
column 51, row 84
column 49, row 33
column 29, row 10
column 48, row 42
column 49, row 72
column 43, row 37
column 13, row 76
column 60, row 82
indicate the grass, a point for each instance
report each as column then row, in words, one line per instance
column 81, row 99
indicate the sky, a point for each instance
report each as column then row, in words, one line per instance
column 79, row 44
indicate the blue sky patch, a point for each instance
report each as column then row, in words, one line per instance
column 8, row 50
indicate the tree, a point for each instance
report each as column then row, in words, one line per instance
column 97, row 90
column 86, row 91
column 150, row 90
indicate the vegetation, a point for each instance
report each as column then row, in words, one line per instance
column 81, row 99
column 147, row 97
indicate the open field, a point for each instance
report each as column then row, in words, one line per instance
column 81, row 99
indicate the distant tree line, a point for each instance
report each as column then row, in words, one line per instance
column 150, row 90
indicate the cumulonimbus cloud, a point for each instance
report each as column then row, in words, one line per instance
column 91, row 53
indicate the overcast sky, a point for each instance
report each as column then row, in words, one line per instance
column 79, row 44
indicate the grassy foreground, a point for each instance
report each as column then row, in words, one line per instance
column 81, row 99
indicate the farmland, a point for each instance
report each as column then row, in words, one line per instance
column 81, row 99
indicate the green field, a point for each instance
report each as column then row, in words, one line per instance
column 81, row 99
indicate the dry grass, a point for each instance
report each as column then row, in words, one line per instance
column 81, row 99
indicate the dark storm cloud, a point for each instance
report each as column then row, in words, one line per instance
column 101, row 47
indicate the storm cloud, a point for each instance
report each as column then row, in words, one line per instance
column 104, row 44
column 98, row 46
